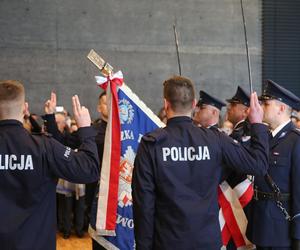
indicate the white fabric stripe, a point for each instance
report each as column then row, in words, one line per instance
column 241, row 188
column 105, row 170
column 236, row 207
column 102, row 79
column 101, row 240
column 221, row 219
column 142, row 105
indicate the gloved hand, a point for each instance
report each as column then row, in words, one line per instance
column 295, row 244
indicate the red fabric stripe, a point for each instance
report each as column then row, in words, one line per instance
column 226, row 235
column 246, row 196
column 115, row 159
column 231, row 221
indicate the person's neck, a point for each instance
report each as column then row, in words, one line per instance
column 11, row 117
column 278, row 123
column 169, row 116
column 210, row 123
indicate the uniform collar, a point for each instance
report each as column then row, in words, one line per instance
column 280, row 127
column 213, row 126
column 10, row 122
column 177, row 119
column 238, row 124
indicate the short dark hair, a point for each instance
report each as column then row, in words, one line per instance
column 12, row 96
column 102, row 94
column 180, row 93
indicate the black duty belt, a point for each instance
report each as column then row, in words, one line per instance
column 259, row 195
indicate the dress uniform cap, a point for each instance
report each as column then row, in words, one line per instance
column 273, row 90
column 210, row 100
column 241, row 96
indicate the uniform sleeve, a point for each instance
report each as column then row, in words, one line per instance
column 51, row 127
column 36, row 128
column 67, row 139
column 143, row 194
column 77, row 167
column 252, row 159
column 295, row 191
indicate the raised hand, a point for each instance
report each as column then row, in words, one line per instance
column 81, row 113
column 50, row 105
column 256, row 112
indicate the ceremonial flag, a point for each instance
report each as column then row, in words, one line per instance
column 129, row 119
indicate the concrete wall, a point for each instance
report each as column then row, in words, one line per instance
column 44, row 44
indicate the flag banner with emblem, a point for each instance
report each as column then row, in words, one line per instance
column 114, row 225
column 233, row 221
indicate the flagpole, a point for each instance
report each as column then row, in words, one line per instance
column 177, row 48
column 247, row 48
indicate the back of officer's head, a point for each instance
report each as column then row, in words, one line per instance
column 12, row 99
column 180, row 93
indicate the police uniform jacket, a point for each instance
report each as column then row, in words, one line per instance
column 29, row 168
column 72, row 140
column 175, row 179
column 267, row 225
column 241, row 133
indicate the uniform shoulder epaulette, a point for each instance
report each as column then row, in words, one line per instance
column 156, row 135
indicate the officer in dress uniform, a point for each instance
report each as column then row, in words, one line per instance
column 177, row 170
column 237, row 112
column 29, row 168
column 207, row 111
column 274, row 222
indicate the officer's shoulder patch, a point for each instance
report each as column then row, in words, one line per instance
column 235, row 142
column 156, row 135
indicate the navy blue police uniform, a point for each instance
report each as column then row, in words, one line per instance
column 241, row 130
column 175, row 179
column 29, row 168
column 241, row 133
column 268, row 226
column 72, row 140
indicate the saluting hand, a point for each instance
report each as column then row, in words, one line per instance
column 256, row 112
column 50, row 105
column 81, row 113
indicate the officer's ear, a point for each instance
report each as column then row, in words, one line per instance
column 166, row 104
column 215, row 112
column 25, row 108
column 194, row 103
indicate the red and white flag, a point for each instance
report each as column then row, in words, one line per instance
column 233, row 221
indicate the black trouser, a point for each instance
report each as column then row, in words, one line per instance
column 96, row 245
column 60, row 200
column 78, row 214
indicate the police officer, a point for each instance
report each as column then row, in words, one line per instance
column 177, row 170
column 237, row 112
column 207, row 111
column 274, row 221
column 92, row 189
column 29, row 168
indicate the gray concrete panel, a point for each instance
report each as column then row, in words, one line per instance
column 44, row 43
